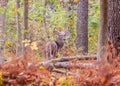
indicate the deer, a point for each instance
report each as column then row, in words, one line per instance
column 52, row 47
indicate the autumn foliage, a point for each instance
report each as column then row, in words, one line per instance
column 25, row 71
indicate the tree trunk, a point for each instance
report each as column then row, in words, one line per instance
column 82, row 27
column 44, row 20
column 114, row 23
column 2, row 25
column 19, row 45
column 2, row 19
column 102, row 35
column 25, row 22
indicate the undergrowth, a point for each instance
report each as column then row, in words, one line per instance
column 26, row 72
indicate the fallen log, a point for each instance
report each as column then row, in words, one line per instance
column 75, row 58
column 63, row 72
column 65, row 62
column 70, row 58
column 68, row 65
column 73, row 65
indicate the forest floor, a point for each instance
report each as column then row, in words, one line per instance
column 60, row 72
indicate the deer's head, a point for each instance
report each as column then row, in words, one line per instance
column 61, row 36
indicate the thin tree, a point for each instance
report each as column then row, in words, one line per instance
column 19, row 46
column 25, row 22
column 114, row 23
column 82, row 27
column 2, row 26
column 102, row 35
column 44, row 19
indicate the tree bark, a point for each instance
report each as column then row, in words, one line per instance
column 25, row 22
column 73, row 65
column 19, row 44
column 102, row 35
column 2, row 21
column 82, row 27
column 114, row 23
column 68, row 65
column 44, row 20
column 63, row 59
column 66, row 62
column 62, row 72
column 2, row 25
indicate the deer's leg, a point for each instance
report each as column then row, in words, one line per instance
column 46, row 53
column 54, row 53
column 51, row 53
column 60, row 52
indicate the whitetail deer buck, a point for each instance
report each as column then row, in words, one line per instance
column 52, row 47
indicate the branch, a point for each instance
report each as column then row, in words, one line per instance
column 67, row 65
column 64, row 62
column 63, row 59
column 62, row 72
column 73, row 65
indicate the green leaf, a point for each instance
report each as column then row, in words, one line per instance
column 23, row 31
column 2, row 10
column 19, row 10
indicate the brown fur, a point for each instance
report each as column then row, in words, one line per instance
column 51, row 50
column 52, row 47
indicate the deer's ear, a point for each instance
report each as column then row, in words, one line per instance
column 56, row 32
column 67, row 32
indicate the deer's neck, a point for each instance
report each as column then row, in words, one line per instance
column 59, row 44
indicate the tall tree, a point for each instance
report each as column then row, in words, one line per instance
column 2, row 25
column 82, row 27
column 44, row 18
column 25, row 20
column 114, row 23
column 25, row 23
column 102, row 35
column 19, row 46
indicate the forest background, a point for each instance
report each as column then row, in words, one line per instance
column 43, row 18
